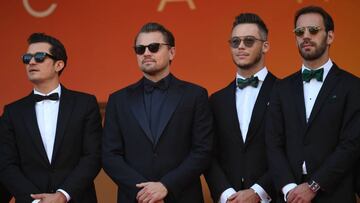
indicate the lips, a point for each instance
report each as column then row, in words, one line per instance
column 148, row 61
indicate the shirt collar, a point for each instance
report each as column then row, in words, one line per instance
column 56, row 90
column 327, row 66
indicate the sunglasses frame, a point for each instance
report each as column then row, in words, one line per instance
column 39, row 57
column 245, row 40
column 152, row 47
column 313, row 30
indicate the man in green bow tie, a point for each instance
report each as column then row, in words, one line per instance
column 239, row 170
column 313, row 124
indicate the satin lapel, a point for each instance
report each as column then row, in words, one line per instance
column 229, row 106
column 33, row 127
column 329, row 83
column 64, row 116
column 136, row 101
column 298, row 90
column 260, row 106
column 173, row 97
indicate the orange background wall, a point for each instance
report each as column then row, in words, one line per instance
column 99, row 37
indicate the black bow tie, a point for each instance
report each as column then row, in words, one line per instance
column 252, row 81
column 53, row 96
column 150, row 86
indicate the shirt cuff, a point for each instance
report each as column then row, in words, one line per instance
column 265, row 198
column 287, row 188
column 226, row 194
column 36, row 201
column 68, row 198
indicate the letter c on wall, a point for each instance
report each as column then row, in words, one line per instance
column 39, row 14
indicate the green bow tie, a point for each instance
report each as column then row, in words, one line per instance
column 307, row 75
column 252, row 81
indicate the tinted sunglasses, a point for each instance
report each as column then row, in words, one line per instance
column 299, row 31
column 38, row 56
column 249, row 41
column 153, row 48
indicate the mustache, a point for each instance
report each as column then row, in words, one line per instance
column 307, row 42
column 148, row 59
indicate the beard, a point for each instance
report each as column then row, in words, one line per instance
column 251, row 63
column 317, row 53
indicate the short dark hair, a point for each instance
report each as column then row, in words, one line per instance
column 57, row 48
column 156, row 27
column 252, row 18
column 328, row 21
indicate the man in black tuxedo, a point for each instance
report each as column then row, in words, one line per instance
column 51, row 145
column 5, row 196
column 239, row 171
column 313, row 126
column 158, row 132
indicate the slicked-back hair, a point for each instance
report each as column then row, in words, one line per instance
column 156, row 27
column 252, row 18
column 57, row 49
column 328, row 21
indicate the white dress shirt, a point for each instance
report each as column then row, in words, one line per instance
column 311, row 91
column 46, row 116
column 245, row 102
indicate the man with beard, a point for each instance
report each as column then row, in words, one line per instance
column 239, row 171
column 313, row 129
column 158, row 132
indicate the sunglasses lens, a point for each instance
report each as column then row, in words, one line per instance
column 299, row 31
column 26, row 58
column 154, row 47
column 249, row 42
column 313, row 30
column 235, row 42
column 140, row 49
column 39, row 57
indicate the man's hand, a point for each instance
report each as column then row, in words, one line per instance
column 301, row 194
column 56, row 197
column 151, row 192
column 244, row 196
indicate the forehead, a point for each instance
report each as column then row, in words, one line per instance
column 146, row 38
column 39, row 47
column 246, row 29
column 309, row 19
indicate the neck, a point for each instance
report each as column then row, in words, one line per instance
column 46, row 88
column 157, row 76
column 246, row 73
column 313, row 64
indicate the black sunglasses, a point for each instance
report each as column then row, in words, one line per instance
column 38, row 56
column 153, row 48
column 249, row 41
column 300, row 31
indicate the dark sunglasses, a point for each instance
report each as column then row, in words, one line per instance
column 299, row 31
column 249, row 41
column 153, row 48
column 38, row 56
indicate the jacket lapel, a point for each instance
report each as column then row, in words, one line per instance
column 329, row 83
column 260, row 106
column 298, row 89
column 173, row 97
column 30, row 121
column 136, row 100
column 65, row 109
column 229, row 107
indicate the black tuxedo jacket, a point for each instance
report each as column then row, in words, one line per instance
column 5, row 196
column 237, row 164
column 25, row 168
column 329, row 142
column 179, row 155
